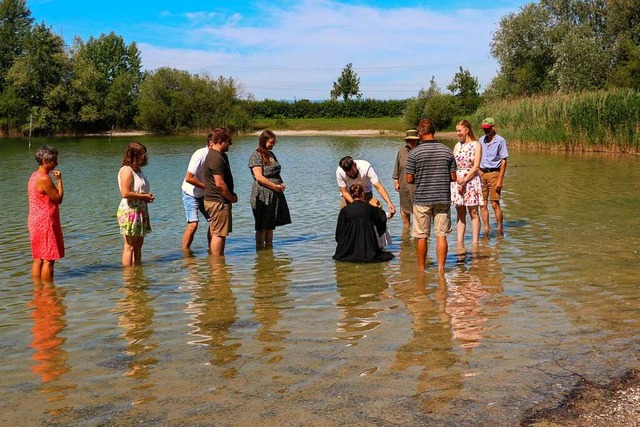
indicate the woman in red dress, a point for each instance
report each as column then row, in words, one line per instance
column 45, row 231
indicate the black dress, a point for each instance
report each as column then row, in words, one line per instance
column 269, row 207
column 356, row 236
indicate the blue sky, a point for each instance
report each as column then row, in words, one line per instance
column 282, row 49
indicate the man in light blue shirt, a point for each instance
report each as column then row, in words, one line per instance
column 493, row 167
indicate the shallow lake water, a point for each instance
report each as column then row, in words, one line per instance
column 290, row 337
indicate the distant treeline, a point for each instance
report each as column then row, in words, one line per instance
column 303, row 108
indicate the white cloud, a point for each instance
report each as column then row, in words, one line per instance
column 299, row 51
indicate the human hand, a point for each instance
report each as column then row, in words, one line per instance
column 392, row 210
column 56, row 174
column 150, row 198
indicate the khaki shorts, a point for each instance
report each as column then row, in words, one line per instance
column 441, row 215
column 489, row 189
column 219, row 217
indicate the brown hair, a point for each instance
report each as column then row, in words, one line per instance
column 220, row 135
column 426, row 127
column 262, row 146
column 135, row 156
column 356, row 191
column 465, row 123
column 346, row 163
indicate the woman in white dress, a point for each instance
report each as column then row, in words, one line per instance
column 466, row 192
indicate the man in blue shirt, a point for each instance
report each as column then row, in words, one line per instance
column 493, row 166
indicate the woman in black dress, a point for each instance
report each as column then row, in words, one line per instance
column 359, row 225
column 268, row 203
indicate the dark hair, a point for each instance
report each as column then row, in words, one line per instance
column 135, row 156
column 346, row 163
column 46, row 153
column 356, row 191
column 465, row 123
column 220, row 135
column 426, row 127
column 209, row 139
column 262, row 146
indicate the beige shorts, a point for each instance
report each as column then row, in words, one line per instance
column 489, row 189
column 441, row 215
column 219, row 217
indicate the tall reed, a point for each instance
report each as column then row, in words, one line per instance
column 586, row 121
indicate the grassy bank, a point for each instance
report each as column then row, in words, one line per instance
column 354, row 123
column 588, row 121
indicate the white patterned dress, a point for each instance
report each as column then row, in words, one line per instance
column 464, row 154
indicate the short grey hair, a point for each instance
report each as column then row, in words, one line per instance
column 46, row 153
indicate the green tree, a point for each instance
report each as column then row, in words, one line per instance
column 441, row 109
column 465, row 88
column 347, row 85
column 15, row 25
column 42, row 68
column 568, row 45
column 575, row 56
column 175, row 101
column 107, row 76
column 414, row 110
column 523, row 45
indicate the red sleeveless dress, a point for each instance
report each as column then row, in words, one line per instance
column 45, row 231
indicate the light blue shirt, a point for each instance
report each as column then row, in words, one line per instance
column 493, row 152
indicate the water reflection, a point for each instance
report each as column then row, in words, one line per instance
column 136, row 319
column 50, row 357
column 214, row 312
column 431, row 347
column 270, row 297
column 475, row 294
column 360, row 286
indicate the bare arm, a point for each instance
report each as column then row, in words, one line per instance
column 55, row 193
column 396, row 173
column 224, row 189
column 411, row 179
column 385, row 196
column 503, row 171
column 257, row 174
column 191, row 179
column 346, row 195
column 477, row 158
column 126, row 187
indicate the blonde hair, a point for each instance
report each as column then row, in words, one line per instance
column 465, row 123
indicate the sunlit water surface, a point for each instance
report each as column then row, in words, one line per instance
column 290, row 337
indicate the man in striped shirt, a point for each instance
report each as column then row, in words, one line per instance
column 431, row 167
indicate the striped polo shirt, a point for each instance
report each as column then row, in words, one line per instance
column 431, row 164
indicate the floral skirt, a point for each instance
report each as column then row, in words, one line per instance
column 133, row 218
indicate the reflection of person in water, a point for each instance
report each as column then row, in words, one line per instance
column 475, row 297
column 215, row 311
column 360, row 288
column 431, row 347
column 136, row 319
column 270, row 297
column 48, row 322
column 359, row 226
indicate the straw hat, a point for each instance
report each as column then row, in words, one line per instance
column 411, row 134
